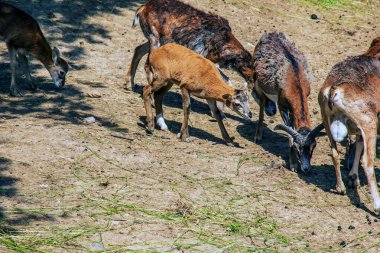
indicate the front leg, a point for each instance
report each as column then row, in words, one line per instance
column 25, row 67
column 13, row 89
column 219, row 118
column 184, row 134
column 259, row 129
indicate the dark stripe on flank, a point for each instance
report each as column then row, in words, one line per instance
column 294, row 64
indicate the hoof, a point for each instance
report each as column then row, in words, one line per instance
column 32, row 87
column 341, row 189
column 185, row 138
column 15, row 92
column 353, row 181
column 257, row 139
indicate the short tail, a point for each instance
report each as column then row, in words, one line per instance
column 136, row 20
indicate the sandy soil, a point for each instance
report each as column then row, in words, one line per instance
column 68, row 186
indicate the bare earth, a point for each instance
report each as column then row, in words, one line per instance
column 68, row 186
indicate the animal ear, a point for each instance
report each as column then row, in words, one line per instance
column 55, row 55
column 227, row 97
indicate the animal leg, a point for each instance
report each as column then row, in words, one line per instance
column 139, row 52
column 353, row 175
column 25, row 66
column 259, row 129
column 184, row 134
column 369, row 141
column 158, row 97
column 13, row 88
column 218, row 117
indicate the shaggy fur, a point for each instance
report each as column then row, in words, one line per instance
column 273, row 56
column 165, row 21
column 350, row 105
column 281, row 70
column 355, row 71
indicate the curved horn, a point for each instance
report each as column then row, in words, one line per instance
column 313, row 134
column 296, row 136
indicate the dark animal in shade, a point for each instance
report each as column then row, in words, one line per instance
column 23, row 36
column 281, row 76
column 164, row 21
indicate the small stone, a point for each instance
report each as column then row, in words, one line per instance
column 314, row 16
column 89, row 120
column 94, row 94
column 339, row 228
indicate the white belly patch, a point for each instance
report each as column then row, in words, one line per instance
column 338, row 130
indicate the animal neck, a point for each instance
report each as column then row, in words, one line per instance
column 217, row 90
column 300, row 116
column 43, row 52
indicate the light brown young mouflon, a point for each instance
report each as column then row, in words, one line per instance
column 194, row 74
column 23, row 36
column 281, row 77
column 350, row 105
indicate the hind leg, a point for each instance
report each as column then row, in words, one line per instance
column 139, row 52
column 354, row 175
column 158, row 97
column 369, row 140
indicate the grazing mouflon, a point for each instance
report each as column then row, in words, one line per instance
column 165, row 21
column 281, row 76
column 350, row 105
column 194, row 74
column 23, row 36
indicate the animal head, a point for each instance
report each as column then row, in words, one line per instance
column 302, row 146
column 374, row 49
column 239, row 103
column 59, row 69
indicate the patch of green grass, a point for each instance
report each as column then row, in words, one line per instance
column 329, row 3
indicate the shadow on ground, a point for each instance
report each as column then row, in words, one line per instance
column 11, row 218
column 63, row 22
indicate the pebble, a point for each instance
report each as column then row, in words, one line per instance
column 89, row 120
column 314, row 16
column 94, row 94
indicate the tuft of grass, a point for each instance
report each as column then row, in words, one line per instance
column 329, row 3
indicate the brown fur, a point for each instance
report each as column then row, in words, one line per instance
column 23, row 35
column 281, row 70
column 351, row 94
column 175, row 64
column 165, row 21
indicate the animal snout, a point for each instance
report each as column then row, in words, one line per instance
column 250, row 115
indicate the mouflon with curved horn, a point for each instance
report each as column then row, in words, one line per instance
column 281, row 77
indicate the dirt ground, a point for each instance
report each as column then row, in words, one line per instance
column 68, row 186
